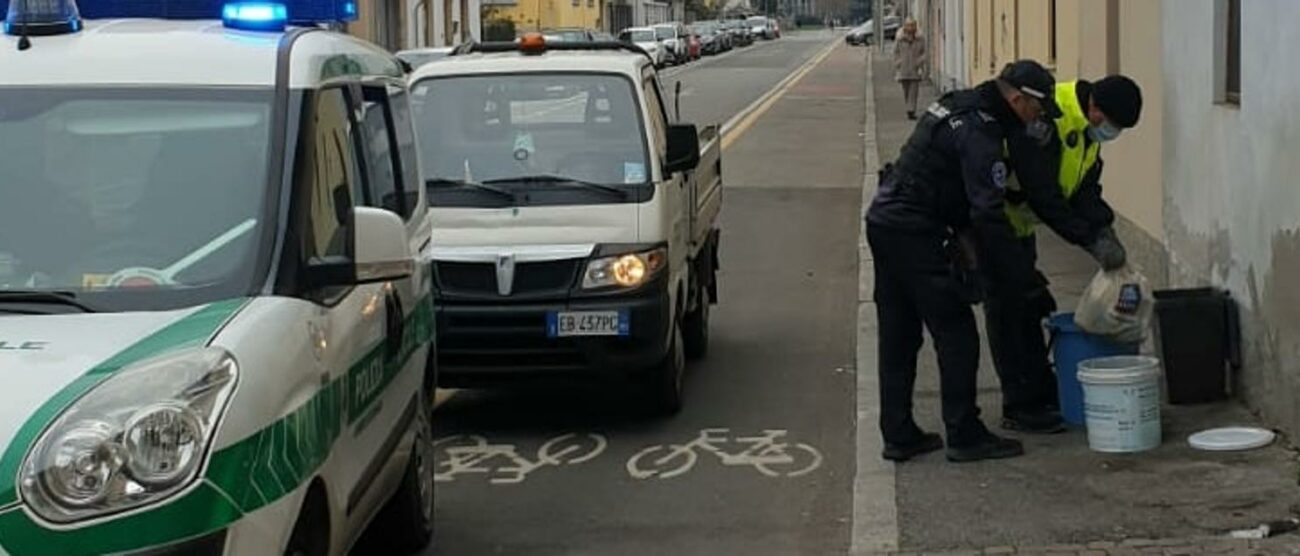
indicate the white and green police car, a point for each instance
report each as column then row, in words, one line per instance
column 214, row 338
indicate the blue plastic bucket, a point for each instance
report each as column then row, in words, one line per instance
column 1070, row 346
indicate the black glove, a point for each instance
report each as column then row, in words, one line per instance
column 1107, row 250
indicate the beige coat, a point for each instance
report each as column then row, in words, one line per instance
column 909, row 58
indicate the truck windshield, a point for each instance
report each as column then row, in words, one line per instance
column 132, row 198
column 509, row 130
column 665, row 33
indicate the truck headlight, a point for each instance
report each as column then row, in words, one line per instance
column 141, row 436
column 628, row 270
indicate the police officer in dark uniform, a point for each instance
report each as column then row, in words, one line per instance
column 949, row 183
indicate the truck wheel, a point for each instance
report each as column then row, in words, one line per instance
column 407, row 518
column 666, row 379
column 696, row 328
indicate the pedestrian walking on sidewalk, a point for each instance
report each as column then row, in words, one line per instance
column 909, row 65
column 1062, row 188
column 948, row 182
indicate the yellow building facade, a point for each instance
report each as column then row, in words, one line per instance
column 535, row 15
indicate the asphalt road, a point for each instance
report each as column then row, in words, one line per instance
column 575, row 471
column 717, row 88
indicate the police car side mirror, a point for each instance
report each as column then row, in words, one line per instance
column 683, row 149
column 381, row 252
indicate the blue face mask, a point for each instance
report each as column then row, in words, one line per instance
column 1104, row 132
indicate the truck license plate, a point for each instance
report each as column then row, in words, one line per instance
column 561, row 324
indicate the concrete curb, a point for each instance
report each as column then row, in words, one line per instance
column 875, row 506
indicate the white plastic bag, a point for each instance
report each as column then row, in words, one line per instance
column 1117, row 304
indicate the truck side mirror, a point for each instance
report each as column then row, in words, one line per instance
column 683, row 148
column 382, row 253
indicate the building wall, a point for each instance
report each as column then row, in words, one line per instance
column 1231, row 205
column 1204, row 189
column 532, row 15
column 1134, row 176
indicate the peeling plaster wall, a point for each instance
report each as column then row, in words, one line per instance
column 1232, row 201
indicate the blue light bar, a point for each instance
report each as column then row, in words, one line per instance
column 42, row 17
column 299, row 11
column 255, row 16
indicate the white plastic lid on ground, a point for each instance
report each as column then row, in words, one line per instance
column 1231, row 439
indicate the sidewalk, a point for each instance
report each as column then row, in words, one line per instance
column 1061, row 497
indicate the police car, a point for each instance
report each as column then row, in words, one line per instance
column 214, row 338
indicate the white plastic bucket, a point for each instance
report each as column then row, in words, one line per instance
column 1121, row 401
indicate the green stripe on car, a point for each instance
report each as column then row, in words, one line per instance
column 196, row 329
column 241, row 478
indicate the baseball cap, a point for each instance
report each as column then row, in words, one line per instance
column 1032, row 79
column 1119, row 98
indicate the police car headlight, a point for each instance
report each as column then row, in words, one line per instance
column 140, row 436
column 629, row 270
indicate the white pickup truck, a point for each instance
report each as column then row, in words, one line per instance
column 575, row 225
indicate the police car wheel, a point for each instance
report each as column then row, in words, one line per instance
column 406, row 522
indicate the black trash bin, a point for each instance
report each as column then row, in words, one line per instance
column 1198, row 341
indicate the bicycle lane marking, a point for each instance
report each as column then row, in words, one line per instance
column 503, row 464
column 768, row 453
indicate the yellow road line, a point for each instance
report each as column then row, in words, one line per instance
column 764, row 105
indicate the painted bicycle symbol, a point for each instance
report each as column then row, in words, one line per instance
column 502, row 463
column 767, row 453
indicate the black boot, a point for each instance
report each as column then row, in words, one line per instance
column 929, row 442
column 988, row 447
column 911, row 114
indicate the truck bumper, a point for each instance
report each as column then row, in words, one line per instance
column 491, row 344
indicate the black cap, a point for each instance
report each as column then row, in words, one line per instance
column 1032, row 79
column 1119, row 98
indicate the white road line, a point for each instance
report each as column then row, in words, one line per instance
column 875, row 504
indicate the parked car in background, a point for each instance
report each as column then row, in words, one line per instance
column 739, row 32
column 761, row 27
column 714, row 38
column 673, row 37
column 417, row 57
column 863, row 34
column 602, row 36
column 646, row 39
column 694, row 50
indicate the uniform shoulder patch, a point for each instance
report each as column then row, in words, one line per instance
column 999, row 176
column 938, row 110
column 986, row 117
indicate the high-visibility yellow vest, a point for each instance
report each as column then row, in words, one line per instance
column 1077, row 156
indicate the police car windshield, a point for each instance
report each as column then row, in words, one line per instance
column 506, row 129
column 132, row 197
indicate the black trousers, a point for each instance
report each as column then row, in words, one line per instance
column 915, row 287
column 1018, row 301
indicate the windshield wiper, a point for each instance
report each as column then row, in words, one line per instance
column 619, row 191
column 45, row 296
column 444, row 182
